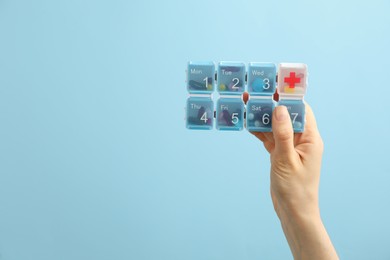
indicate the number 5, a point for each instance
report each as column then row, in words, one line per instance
column 234, row 118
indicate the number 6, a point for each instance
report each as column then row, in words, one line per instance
column 265, row 119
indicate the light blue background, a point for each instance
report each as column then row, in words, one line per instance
column 95, row 161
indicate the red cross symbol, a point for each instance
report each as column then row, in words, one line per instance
column 292, row 80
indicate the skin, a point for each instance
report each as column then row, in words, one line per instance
column 295, row 176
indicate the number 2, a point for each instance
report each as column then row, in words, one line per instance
column 235, row 83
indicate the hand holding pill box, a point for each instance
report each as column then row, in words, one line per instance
column 232, row 79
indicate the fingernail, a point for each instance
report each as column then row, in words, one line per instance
column 281, row 113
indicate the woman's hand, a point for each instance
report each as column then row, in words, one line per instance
column 295, row 175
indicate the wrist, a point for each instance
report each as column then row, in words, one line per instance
column 300, row 217
column 298, row 207
column 307, row 236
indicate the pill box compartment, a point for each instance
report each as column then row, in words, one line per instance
column 231, row 78
column 292, row 79
column 230, row 114
column 259, row 115
column 296, row 109
column 200, row 113
column 200, row 77
column 261, row 78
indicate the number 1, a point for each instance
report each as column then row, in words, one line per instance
column 206, row 79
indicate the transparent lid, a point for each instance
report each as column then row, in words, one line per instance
column 231, row 77
column 292, row 79
column 200, row 77
column 261, row 78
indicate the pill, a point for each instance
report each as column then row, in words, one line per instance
column 251, row 116
column 287, row 89
column 299, row 90
column 226, row 118
column 258, row 85
column 209, row 87
column 197, row 85
column 257, row 123
column 297, row 125
column 222, row 87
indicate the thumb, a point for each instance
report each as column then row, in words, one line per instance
column 282, row 131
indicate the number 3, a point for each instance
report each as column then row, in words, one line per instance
column 266, row 83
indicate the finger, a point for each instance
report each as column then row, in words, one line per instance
column 264, row 136
column 270, row 137
column 310, row 141
column 267, row 144
column 313, row 135
column 260, row 136
column 283, row 132
column 311, row 123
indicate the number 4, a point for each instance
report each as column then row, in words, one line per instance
column 204, row 117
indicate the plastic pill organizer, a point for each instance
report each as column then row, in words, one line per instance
column 231, row 80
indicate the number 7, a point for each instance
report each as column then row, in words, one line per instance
column 294, row 117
